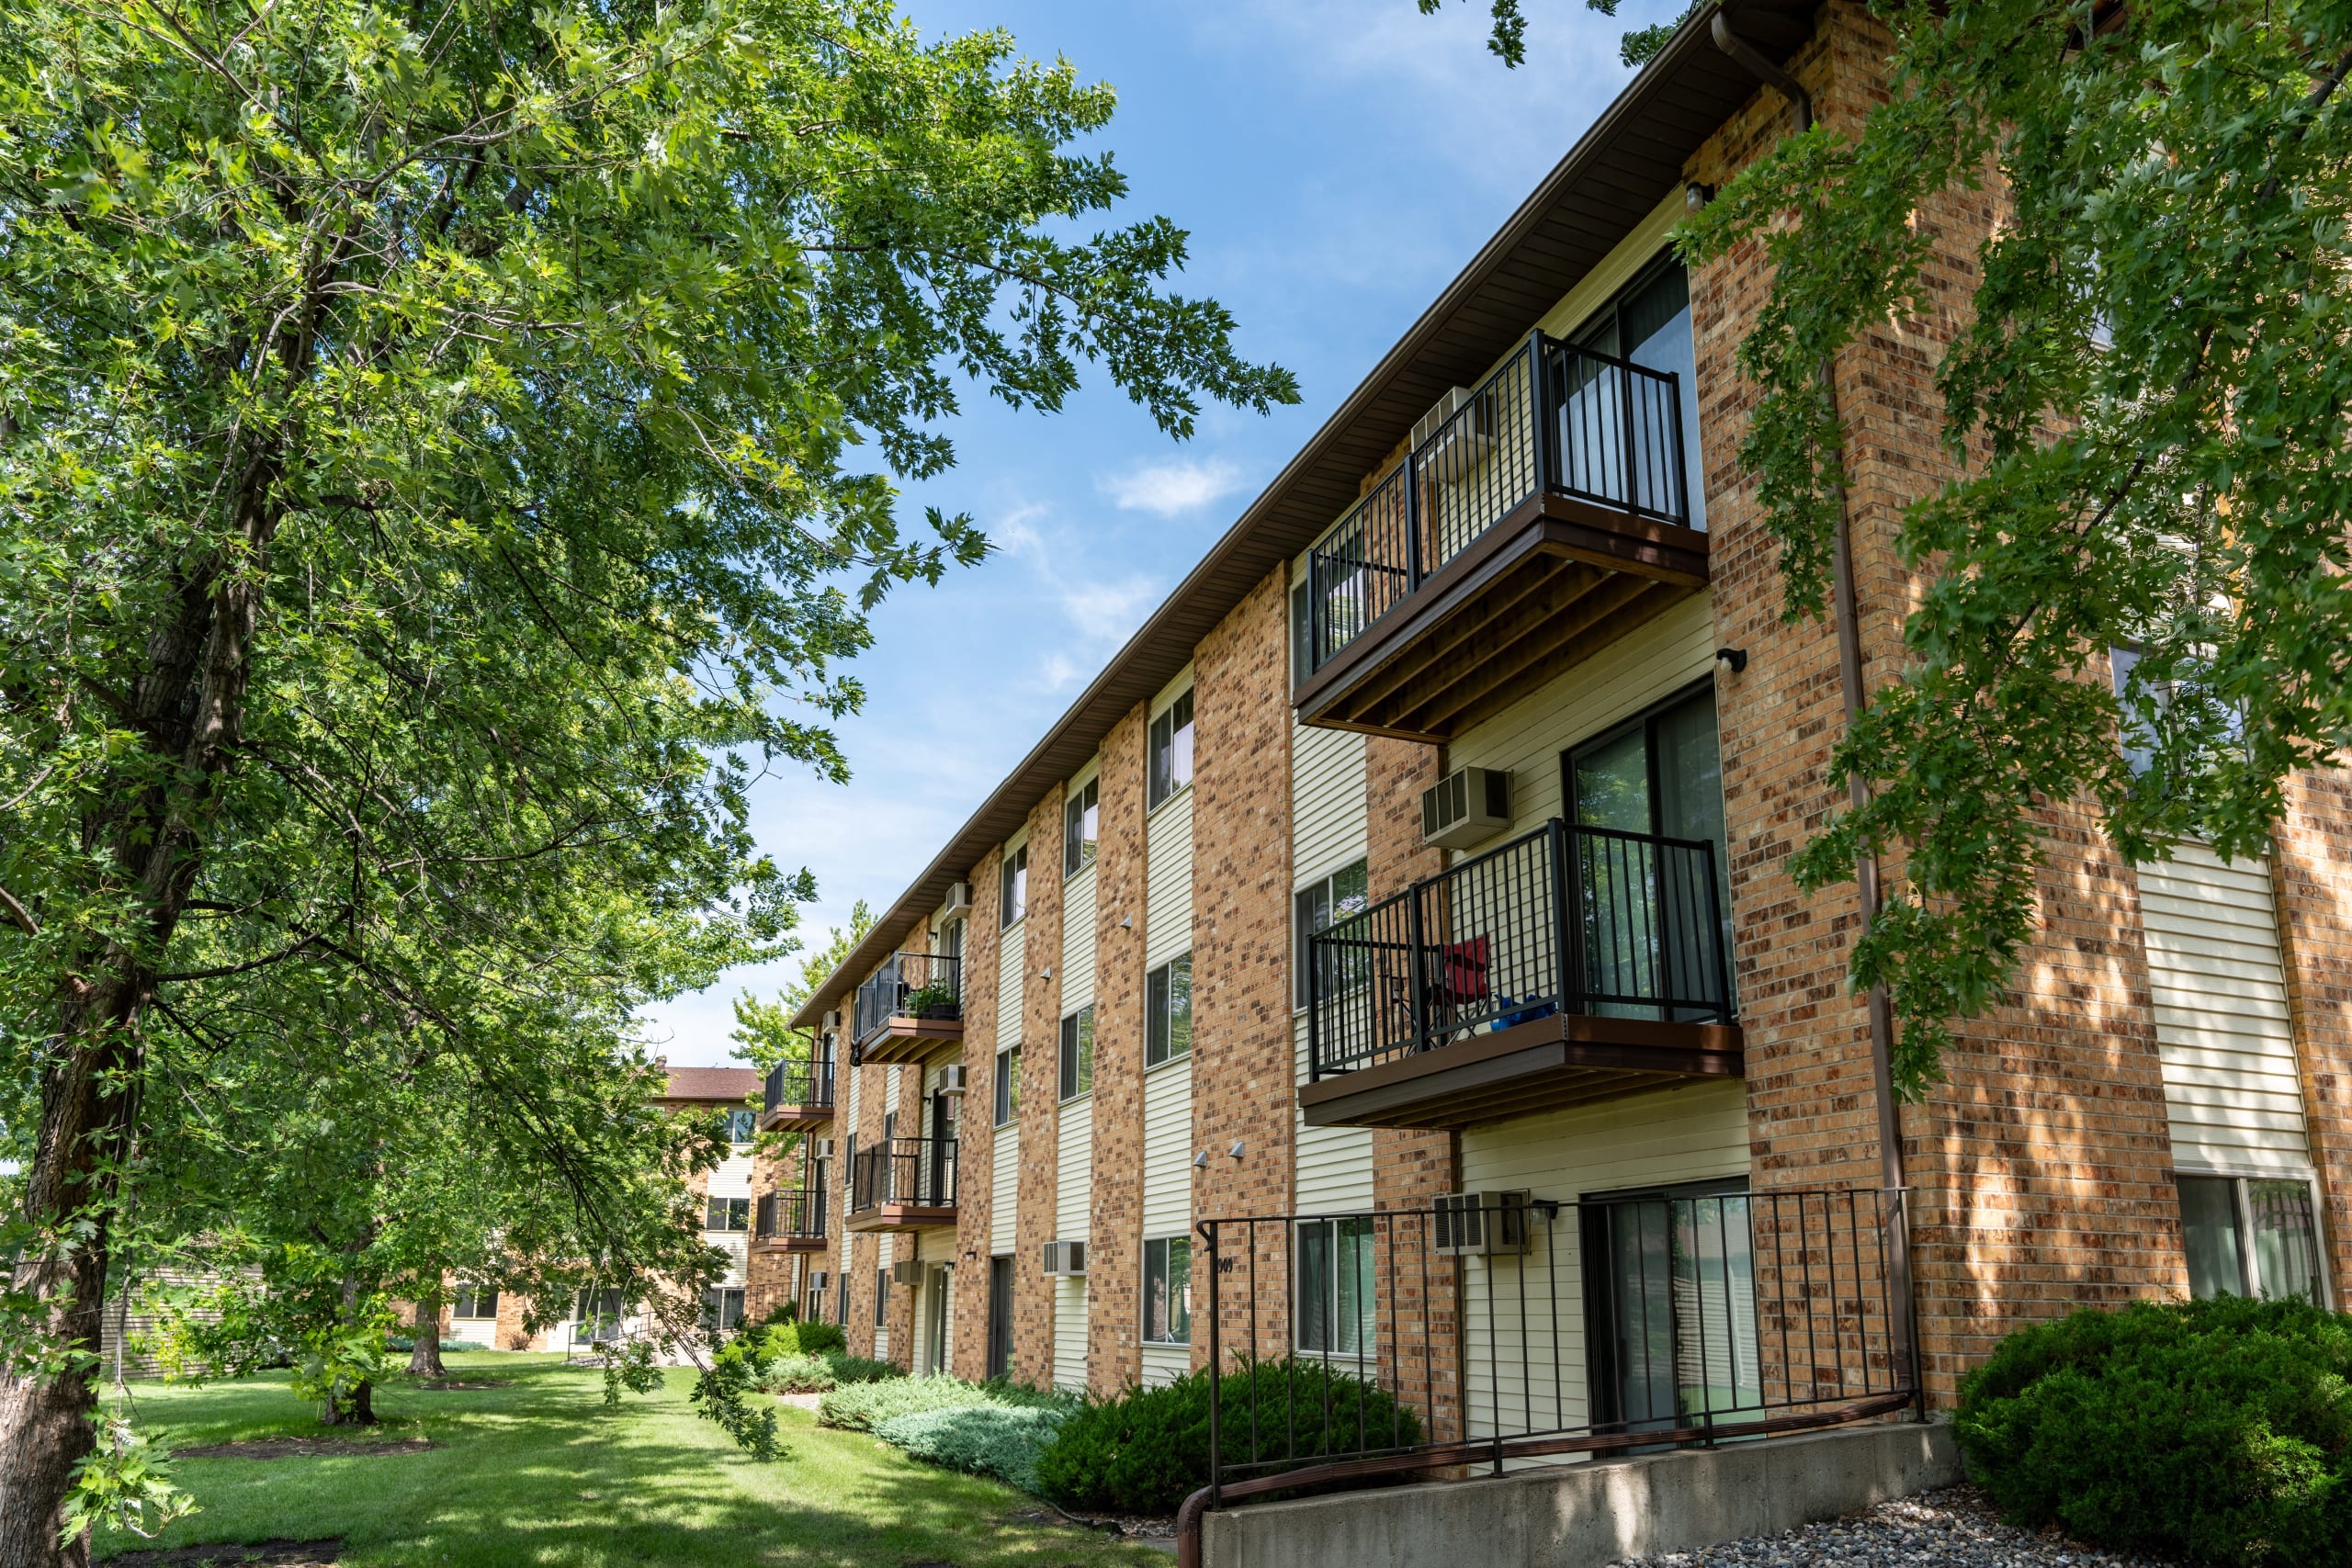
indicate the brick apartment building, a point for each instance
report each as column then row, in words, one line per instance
column 1432, row 839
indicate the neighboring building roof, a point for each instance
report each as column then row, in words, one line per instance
column 1609, row 181
column 712, row 1083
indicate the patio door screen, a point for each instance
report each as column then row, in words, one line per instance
column 1670, row 1293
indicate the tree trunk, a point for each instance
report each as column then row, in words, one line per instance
column 362, row 1409
column 424, row 1359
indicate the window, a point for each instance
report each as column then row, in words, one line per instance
column 1648, row 323
column 475, row 1300
column 740, row 1124
column 1672, row 1274
column 728, row 1215
column 1168, row 1012
column 2249, row 1238
column 841, row 1298
column 1323, row 904
column 722, row 1309
column 1167, row 1292
column 881, row 1297
column 1172, row 749
column 1336, row 1299
column 2175, row 704
column 1015, row 888
column 1078, row 1053
column 1007, row 1085
column 1081, row 825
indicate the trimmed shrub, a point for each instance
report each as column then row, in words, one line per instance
column 796, row 1374
column 1144, row 1450
column 860, row 1406
column 847, row 1368
column 802, row 1339
column 2220, row 1430
column 999, row 1440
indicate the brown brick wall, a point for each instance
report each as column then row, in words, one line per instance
column 2312, row 873
column 1114, row 1225
column 1242, row 1065
column 1041, row 1004
column 976, row 1139
column 2041, row 1165
column 770, row 1278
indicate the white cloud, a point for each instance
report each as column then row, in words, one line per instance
column 1171, row 488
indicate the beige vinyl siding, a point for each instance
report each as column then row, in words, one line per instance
column 1167, row 881
column 732, row 1178
column 1009, row 968
column 1070, row 1332
column 1645, row 666
column 1078, row 941
column 2232, row 1090
column 1167, row 1149
column 1074, row 1168
column 1004, row 1187
column 1332, row 1165
column 1695, row 1132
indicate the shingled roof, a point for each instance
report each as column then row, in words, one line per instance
column 711, row 1083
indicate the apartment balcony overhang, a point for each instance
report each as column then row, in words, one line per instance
column 796, row 1094
column 903, row 1184
column 1543, row 517
column 909, row 1012
column 791, row 1220
column 1569, row 965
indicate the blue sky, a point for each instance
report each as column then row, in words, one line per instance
column 1336, row 162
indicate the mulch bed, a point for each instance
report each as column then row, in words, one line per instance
column 300, row 1448
column 258, row 1554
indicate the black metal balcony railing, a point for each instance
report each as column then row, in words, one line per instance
column 1553, row 418
column 791, row 1214
column 910, row 985
column 1571, row 1327
column 798, row 1083
column 918, row 1171
column 1573, row 920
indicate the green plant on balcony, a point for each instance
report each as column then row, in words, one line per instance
column 932, row 1000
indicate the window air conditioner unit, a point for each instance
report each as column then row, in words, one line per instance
column 1471, row 1223
column 1066, row 1258
column 821, row 1148
column 959, row 901
column 1475, row 426
column 907, row 1273
column 1466, row 807
column 951, row 1078
column 833, row 1021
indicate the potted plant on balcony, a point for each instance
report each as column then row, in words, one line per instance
column 933, row 999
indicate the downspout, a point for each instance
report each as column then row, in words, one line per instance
column 1847, row 620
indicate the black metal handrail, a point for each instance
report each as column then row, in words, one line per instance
column 798, row 1212
column 909, row 984
column 1555, row 417
column 798, row 1083
column 1510, row 1327
column 920, row 1171
column 1566, row 918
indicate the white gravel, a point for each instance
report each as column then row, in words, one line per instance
column 1952, row 1528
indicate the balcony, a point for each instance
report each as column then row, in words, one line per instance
column 791, row 1220
column 1543, row 517
column 902, row 1184
column 1568, row 965
column 796, row 1094
column 913, row 1008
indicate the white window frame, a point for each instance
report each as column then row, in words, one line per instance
column 1156, row 1020
column 1160, row 786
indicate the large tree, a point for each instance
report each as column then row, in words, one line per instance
column 2139, row 593
column 446, row 452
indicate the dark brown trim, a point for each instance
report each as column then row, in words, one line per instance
column 906, row 1040
column 901, row 1217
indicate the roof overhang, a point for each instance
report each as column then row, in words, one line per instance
column 1611, row 180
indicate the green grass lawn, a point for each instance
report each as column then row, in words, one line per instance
column 540, row 1472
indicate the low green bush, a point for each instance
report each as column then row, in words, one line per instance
column 860, row 1406
column 849, row 1368
column 796, row 1374
column 993, row 1439
column 2220, row 1430
column 1145, row 1450
column 800, row 1339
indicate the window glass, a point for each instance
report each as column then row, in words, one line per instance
column 1167, row 1292
column 881, row 1296
column 1014, row 886
column 2249, row 1238
column 722, row 1309
column 740, row 1124
column 1081, row 825
column 1322, row 904
column 1007, row 1085
column 1335, row 1286
column 475, row 1300
column 1649, row 325
column 1172, row 749
column 1078, row 1052
column 1168, row 1012
column 727, row 1215
column 2208, row 1226
column 2286, row 1239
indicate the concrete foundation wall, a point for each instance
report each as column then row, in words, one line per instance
column 1583, row 1515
